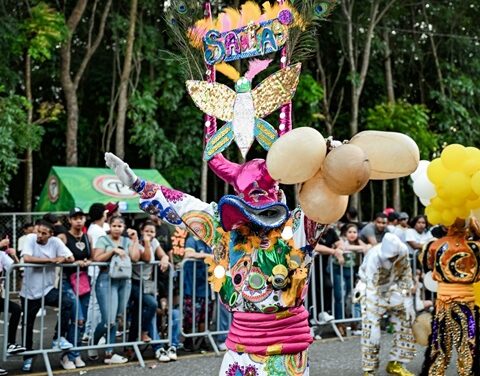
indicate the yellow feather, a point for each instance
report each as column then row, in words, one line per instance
column 228, row 71
column 235, row 17
column 250, row 12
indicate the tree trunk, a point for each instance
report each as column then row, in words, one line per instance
column 28, row 188
column 72, row 122
column 391, row 99
column 68, row 80
column 384, row 194
column 125, row 77
column 204, row 181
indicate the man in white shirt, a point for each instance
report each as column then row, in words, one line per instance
column 43, row 248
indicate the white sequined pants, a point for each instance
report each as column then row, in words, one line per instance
column 403, row 347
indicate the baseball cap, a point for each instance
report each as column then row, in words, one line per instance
column 76, row 212
column 112, row 207
column 403, row 215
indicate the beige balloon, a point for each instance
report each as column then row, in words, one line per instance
column 346, row 169
column 319, row 203
column 296, row 156
column 391, row 154
column 422, row 328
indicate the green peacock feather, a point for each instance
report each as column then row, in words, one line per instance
column 302, row 41
column 180, row 16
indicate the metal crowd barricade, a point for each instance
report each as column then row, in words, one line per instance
column 209, row 314
column 44, row 349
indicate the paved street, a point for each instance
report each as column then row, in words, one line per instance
column 327, row 357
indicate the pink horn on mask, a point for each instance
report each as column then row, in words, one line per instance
column 224, row 169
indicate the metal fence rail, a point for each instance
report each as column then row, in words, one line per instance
column 215, row 322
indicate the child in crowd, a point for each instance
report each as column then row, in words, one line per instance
column 343, row 275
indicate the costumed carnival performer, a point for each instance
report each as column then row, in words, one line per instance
column 454, row 263
column 449, row 187
column 262, row 250
column 385, row 286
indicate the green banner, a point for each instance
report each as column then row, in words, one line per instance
column 68, row 187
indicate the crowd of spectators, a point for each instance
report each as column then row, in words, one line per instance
column 124, row 300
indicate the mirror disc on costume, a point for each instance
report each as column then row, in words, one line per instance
column 270, row 309
column 256, row 281
column 233, row 299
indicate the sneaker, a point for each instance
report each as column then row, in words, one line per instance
column 27, row 365
column 115, row 359
column 85, row 338
column 325, row 317
column 61, row 343
column 222, row 346
column 318, row 337
column 3, row 372
column 67, row 363
column 172, row 353
column 397, row 368
column 79, row 363
column 13, row 348
column 162, row 355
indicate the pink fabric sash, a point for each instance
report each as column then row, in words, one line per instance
column 285, row 332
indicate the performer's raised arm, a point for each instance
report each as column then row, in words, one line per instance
column 175, row 207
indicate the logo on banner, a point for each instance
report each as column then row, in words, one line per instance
column 53, row 189
column 110, row 185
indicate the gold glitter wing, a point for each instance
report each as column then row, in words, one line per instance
column 276, row 90
column 213, row 98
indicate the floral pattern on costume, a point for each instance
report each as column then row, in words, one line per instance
column 237, row 370
column 172, row 195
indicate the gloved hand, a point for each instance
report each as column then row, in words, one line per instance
column 121, row 169
column 409, row 306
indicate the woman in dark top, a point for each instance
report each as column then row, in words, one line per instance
column 76, row 285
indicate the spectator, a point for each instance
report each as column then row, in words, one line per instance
column 195, row 249
column 343, row 275
column 14, row 309
column 98, row 215
column 142, row 278
column 113, row 294
column 392, row 221
column 328, row 245
column 402, row 226
column 417, row 236
column 113, row 210
column 59, row 230
column 80, row 246
column 43, row 248
column 374, row 232
column 27, row 228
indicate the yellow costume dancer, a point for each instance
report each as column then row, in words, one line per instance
column 454, row 261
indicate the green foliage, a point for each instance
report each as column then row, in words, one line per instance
column 42, row 32
column 16, row 135
column 458, row 117
column 403, row 117
column 307, row 104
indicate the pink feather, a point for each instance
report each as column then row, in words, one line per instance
column 256, row 66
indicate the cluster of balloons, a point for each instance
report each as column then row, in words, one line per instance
column 449, row 186
column 329, row 177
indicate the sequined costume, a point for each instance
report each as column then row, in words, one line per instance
column 454, row 262
column 386, row 287
column 260, row 272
